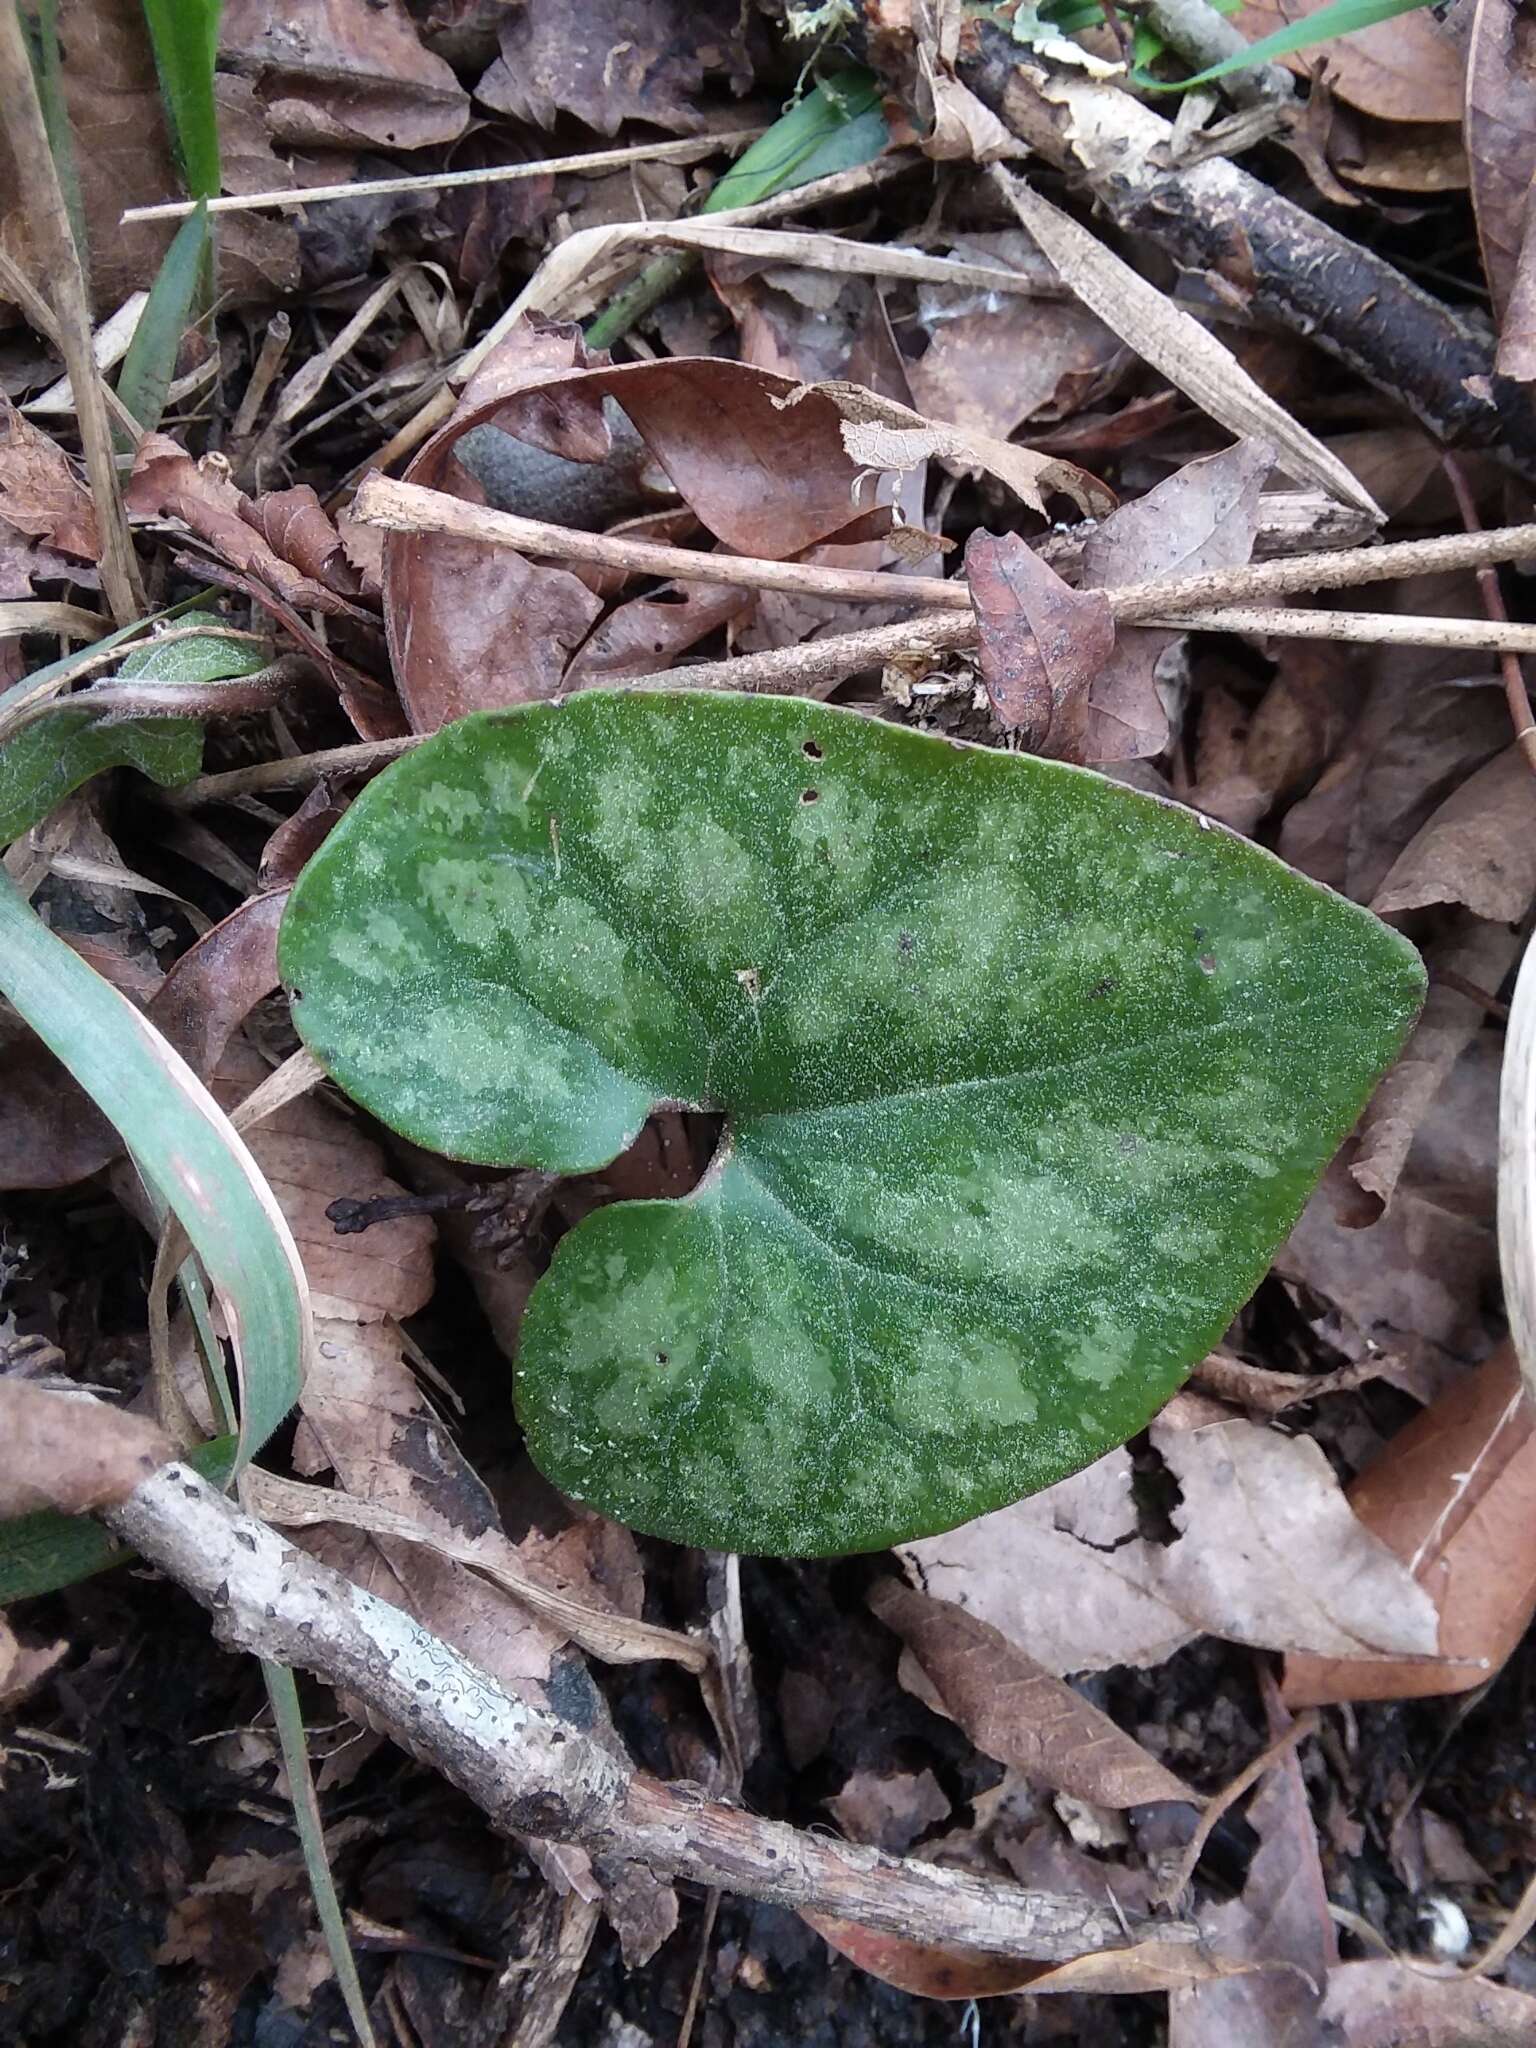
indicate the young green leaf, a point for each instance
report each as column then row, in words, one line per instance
column 150, row 363
column 1024, row 1077
column 185, row 36
column 41, row 764
column 1338, row 18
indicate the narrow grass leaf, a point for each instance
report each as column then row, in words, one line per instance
column 150, row 363
column 288, row 1719
column 187, row 1150
column 185, row 36
column 1339, row 18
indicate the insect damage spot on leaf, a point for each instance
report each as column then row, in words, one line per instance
column 1001, row 1158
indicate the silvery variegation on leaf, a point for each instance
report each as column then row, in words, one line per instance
column 1024, row 1076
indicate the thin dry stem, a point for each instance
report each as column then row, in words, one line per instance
column 689, row 150
column 21, row 116
column 1515, row 691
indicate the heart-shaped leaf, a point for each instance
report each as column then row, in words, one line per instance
column 1024, row 1077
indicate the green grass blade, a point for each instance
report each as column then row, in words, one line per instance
column 289, row 1719
column 150, row 363
column 185, row 36
column 186, row 1149
column 1339, row 18
column 835, row 127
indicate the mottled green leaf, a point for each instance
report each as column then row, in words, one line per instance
column 1025, row 1075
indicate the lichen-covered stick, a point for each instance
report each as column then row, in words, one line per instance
column 534, row 1773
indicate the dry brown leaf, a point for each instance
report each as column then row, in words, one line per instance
column 645, row 636
column 1028, row 359
column 258, row 253
column 1454, row 1496
column 1478, row 848
column 40, row 495
column 612, row 61
column 1430, row 719
column 299, row 530
column 759, row 459
column 344, row 71
column 1280, row 1924
column 24, row 1666
column 1395, row 156
column 310, row 1154
column 1479, row 953
column 1042, row 643
column 879, row 434
column 51, row 1134
column 1015, row 1710
column 1414, row 1283
column 121, row 148
column 1270, row 1393
column 1144, row 1967
column 1501, row 151
column 1175, row 343
column 888, row 1809
column 1267, row 1553
column 70, row 1451
column 167, row 483
column 1387, row 2004
column 1405, row 69
column 1204, row 516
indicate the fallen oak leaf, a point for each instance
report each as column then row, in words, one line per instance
column 70, row 1451
column 1454, row 1496
column 1042, row 643
column 1018, row 1712
column 1478, row 848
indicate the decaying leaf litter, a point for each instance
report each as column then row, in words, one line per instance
column 1229, row 1701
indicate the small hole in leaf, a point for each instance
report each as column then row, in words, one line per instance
column 810, row 796
column 811, row 751
column 661, row 1357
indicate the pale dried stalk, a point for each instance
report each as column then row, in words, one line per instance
column 412, row 508
column 689, row 150
column 21, row 116
column 810, row 249
column 1517, row 1170
column 289, row 771
column 534, row 1773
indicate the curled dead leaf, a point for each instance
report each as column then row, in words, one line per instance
column 71, row 1452
column 1015, row 1710
column 1454, row 1496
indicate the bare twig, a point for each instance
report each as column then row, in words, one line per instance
column 688, row 150
column 534, row 1773
column 1515, row 692
column 1287, row 266
column 412, row 508
column 21, row 116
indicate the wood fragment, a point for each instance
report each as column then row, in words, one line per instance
column 534, row 1773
